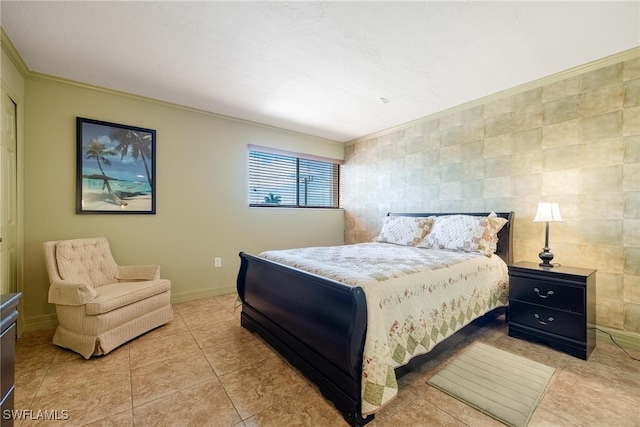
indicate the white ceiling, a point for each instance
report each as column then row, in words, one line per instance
column 316, row 67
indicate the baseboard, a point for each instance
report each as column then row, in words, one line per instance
column 50, row 321
column 40, row 322
column 201, row 293
column 627, row 340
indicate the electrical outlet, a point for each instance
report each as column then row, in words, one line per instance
column 217, row 262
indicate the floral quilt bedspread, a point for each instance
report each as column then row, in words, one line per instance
column 415, row 299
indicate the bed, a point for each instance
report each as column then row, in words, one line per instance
column 321, row 323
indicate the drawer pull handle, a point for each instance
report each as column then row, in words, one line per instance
column 537, row 291
column 542, row 322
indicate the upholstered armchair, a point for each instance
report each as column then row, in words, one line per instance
column 101, row 305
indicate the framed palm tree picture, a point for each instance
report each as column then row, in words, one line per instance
column 116, row 171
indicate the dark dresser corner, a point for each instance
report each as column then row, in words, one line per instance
column 8, row 317
column 553, row 306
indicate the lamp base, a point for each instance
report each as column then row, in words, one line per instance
column 546, row 258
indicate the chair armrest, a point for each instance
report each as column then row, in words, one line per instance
column 66, row 292
column 136, row 273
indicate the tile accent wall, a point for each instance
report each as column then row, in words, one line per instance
column 575, row 141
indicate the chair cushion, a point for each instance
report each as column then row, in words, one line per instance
column 86, row 261
column 116, row 295
column 136, row 273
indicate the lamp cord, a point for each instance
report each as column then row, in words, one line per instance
column 614, row 341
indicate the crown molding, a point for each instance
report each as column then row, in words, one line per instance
column 13, row 53
column 632, row 53
column 553, row 78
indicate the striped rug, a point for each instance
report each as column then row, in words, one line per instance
column 505, row 386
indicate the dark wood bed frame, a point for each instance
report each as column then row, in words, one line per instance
column 319, row 324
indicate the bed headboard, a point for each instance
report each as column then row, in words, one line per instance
column 505, row 236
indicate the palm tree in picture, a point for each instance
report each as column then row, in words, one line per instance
column 138, row 143
column 98, row 151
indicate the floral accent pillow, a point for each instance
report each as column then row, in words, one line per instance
column 404, row 230
column 492, row 225
column 455, row 232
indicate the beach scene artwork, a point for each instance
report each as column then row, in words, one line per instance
column 116, row 168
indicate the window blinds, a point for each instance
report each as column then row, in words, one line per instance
column 280, row 180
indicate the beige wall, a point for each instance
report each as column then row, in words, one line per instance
column 574, row 139
column 202, row 209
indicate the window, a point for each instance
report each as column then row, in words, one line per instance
column 283, row 179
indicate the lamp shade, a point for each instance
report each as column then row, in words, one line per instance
column 548, row 212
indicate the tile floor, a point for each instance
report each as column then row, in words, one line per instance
column 204, row 369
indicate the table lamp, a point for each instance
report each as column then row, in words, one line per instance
column 547, row 212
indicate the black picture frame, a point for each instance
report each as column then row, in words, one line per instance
column 116, row 168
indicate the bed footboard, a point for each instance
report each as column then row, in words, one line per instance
column 317, row 324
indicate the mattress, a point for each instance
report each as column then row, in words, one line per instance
column 416, row 298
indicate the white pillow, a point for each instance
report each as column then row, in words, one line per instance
column 404, row 230
column 455, row 232
column 489, row 242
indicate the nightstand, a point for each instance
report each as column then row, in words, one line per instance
column 555, row 306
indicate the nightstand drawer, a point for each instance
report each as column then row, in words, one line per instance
column 548, row 294
column 570, row 325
